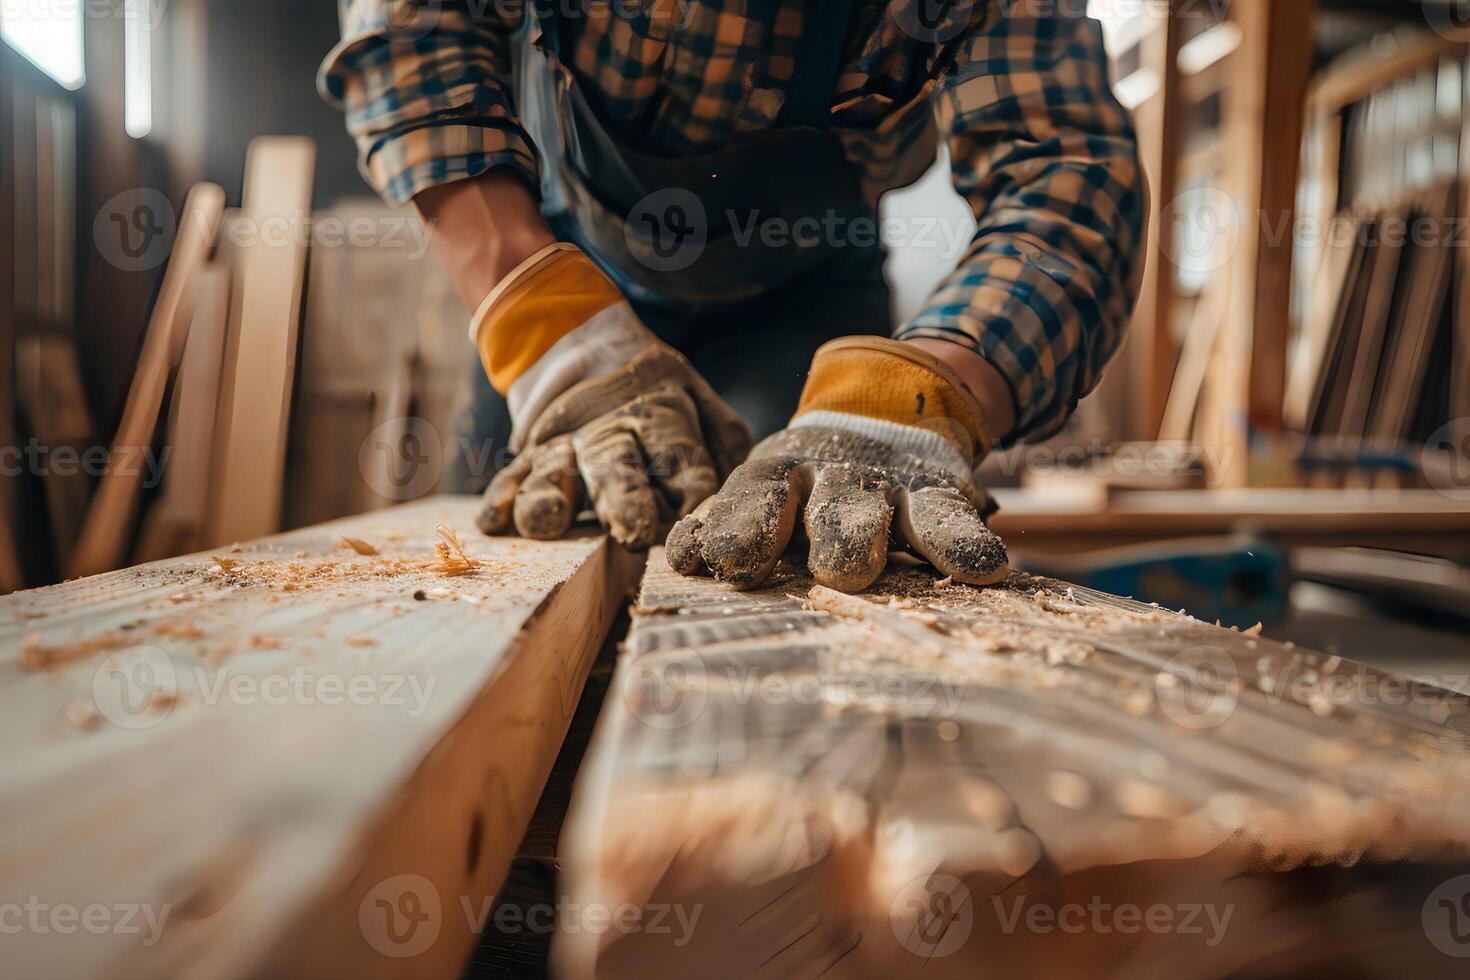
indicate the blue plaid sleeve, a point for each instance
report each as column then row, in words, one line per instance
column 1048, row 161
column 426, row 90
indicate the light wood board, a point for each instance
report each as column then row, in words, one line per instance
column 261, row 752
column 260, row 359
column 798, row 782
column 106, row 536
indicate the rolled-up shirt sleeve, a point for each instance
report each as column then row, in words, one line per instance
column 1048, row 161
column 426, row 88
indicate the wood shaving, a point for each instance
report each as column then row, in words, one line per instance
column 452, row 558
column 225, row 564
column 261, row 642
column 361, row 641
column 360, row 546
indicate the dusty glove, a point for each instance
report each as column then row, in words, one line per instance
column 596, row 400
column 880, row 454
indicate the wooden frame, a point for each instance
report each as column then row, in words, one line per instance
column 10, row 570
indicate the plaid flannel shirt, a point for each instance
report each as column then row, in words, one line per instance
column 1039, row 146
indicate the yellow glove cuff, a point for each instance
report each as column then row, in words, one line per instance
column 897, row 382
column 545, row 298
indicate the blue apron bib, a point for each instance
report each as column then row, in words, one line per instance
column 696, row 233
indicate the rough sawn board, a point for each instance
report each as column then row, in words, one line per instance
column 277, row 753
column 938, row 781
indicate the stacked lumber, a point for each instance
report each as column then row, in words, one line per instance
column 1004, row 782
column 311, row 755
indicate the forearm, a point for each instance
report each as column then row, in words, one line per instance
column 483, row 228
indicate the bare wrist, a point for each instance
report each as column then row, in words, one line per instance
column 989, row 386
column 483, row 228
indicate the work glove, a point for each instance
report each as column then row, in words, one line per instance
column 596, row 401
column 880, row 455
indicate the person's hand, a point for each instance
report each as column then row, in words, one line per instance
column 881, row 454
column 596, row 401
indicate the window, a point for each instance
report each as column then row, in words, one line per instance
column 48, row 33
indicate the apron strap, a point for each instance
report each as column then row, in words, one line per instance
column 818, row 62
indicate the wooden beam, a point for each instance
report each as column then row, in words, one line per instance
column 10, row 570
column 282, row 748
column 1261, row 135
column 875, row 785
column 1159, row 123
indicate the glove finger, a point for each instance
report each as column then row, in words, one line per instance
column 547, row 501
column 847, row 520
column 685, row 474
column 725, row 433
column 682, row 547
column 943, row 527
column 612, row 464
column 494, row 516
column 749, row 522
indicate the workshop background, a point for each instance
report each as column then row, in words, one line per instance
column 1285, row 437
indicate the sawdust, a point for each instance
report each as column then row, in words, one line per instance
column 178, row 629
column 83, row 716
column 36, row 656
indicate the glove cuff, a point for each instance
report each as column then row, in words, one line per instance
column 543, row 299
column 899, row 383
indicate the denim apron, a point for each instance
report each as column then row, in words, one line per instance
column 696, row 233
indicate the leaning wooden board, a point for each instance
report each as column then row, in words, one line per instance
column 1029, row 780
column 276, row 753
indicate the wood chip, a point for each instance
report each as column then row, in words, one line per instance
column 360, row 546
column 83, row 716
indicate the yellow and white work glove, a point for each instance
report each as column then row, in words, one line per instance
column 881, row 453
column 596, row 400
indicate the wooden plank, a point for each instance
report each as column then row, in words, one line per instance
column 10, row 570
column 107, row 534
column 801, row 783
column 1159, row 122
column 177, row 521
column 261, row 359
column 1264, row 113
column 262, row 748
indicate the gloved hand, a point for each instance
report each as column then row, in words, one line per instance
column 596, row 400
column 881, row 453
